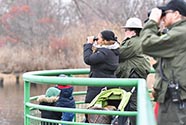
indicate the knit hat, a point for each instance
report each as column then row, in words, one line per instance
column 63, row 86
column 175, row 5
column 63, row 75
column 108, row 35
column 52, row 91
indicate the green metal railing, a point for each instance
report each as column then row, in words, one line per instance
column 145, row 115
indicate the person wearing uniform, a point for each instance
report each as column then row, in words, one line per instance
column 132, row 62
column 169, row 50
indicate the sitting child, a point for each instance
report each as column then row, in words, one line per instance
column 49, row 99
column 66, row 100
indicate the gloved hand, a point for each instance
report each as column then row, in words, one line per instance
column 90, row 39
column 155, row 15
column 154, row 94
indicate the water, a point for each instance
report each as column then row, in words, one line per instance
column 12, row 99
column 11, row 106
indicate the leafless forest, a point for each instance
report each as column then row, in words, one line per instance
column 49, row 34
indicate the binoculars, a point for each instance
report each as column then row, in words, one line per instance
column 162, row 15
column 95, row 38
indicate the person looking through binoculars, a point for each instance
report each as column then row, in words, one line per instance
column 169, row 50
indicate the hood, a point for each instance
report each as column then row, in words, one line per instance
column 66, row 92
column 43, row 98
column 116, row 45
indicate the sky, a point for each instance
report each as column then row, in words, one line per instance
column 66, row 1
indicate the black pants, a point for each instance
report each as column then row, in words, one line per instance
column 131, row 106
column 48, row 123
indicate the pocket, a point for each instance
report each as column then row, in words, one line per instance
column 133, row 74
column 121, row 71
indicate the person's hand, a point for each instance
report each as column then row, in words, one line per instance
column 154, row 94
column 155, row 15
column 90, row 39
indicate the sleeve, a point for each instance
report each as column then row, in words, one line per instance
column 129, row 49
column 92, row 58
column 157, row 46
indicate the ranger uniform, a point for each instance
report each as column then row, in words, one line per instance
column 170, row 51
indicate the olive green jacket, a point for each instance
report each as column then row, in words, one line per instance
column 171, row 47
column 131, row 57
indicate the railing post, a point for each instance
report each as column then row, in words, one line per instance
column 145, row 111
column 26, row 99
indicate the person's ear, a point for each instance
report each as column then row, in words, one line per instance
column 176, row 15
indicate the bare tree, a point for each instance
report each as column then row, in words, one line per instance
column 54, row 31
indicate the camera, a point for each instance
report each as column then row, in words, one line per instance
column 173, row 89
column 95, row 38
column 163, row 13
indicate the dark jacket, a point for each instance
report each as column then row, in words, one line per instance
column 103, row 63
column 66, row 100
column 170, row 47
column 49, row 101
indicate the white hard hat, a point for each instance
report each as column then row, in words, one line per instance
column 133, row 23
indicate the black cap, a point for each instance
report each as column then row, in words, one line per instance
column 108, row 35
column 176, row 5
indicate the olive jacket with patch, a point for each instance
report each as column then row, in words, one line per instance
column 171, row 48
column 131, row 58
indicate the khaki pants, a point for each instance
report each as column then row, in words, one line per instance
column 170, row 113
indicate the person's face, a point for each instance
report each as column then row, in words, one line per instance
column 129, row 33
column 169, row 18
column 100, row 39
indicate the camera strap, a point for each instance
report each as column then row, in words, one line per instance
column 161, row 71
column 163, row 75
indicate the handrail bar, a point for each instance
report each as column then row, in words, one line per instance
column 144, row 117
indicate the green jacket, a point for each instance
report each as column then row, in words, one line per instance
column 171, row 47
column 131, row 57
